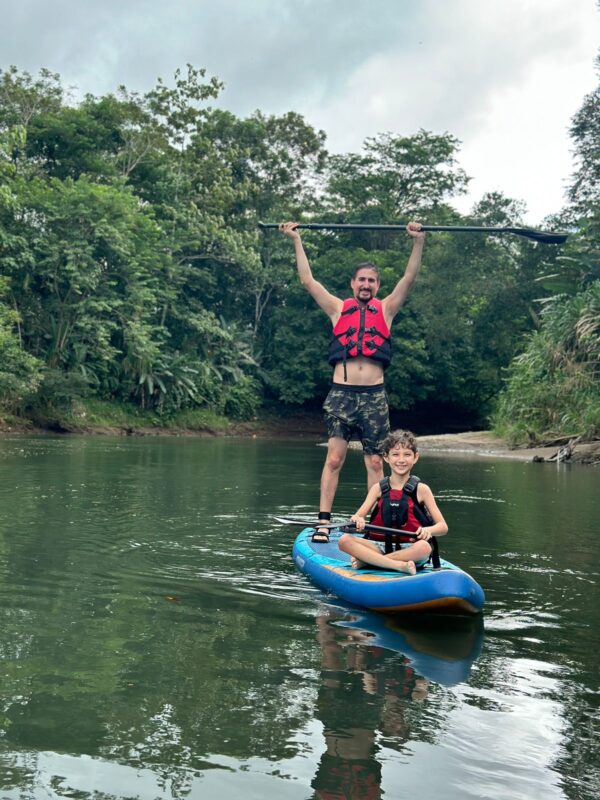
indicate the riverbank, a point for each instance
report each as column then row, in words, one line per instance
column 486, row 443
column 475, row 443
column 302, row 425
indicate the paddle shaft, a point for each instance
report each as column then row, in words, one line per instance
column 343, row 526
column 381, row 529
column 544, row 237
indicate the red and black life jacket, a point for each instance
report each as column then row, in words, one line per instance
column 361, row 331
column 400, row 508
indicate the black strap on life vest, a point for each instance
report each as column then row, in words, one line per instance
column 395, row 516
column 349, row 342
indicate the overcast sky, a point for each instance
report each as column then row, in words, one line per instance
column 503, row 76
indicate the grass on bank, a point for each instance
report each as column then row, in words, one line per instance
column 110, row 414
column 105, row 415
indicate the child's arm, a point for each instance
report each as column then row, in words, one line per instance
column 370, row 500
column 439, row 527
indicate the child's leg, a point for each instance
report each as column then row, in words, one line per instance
column 359, row 563
column 419, row 551
column 365, row 552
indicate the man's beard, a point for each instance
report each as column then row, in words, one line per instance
column 364, row 295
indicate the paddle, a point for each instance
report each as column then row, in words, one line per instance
column 346, row 527
column 544, row 237
column 350, row 527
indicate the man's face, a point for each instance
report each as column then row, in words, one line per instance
column 365, row 284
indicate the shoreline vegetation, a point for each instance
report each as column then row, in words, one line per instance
column 105, row 418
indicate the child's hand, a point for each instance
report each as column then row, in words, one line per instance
column 424, row 533
column 360, row 522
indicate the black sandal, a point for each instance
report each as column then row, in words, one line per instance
column 322, row 529
column 320, row 536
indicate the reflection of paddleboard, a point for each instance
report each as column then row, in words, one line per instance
column 442, row 654
column 448, row 590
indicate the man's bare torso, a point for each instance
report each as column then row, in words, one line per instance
column 360, row 371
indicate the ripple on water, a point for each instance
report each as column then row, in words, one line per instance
column 503, row 739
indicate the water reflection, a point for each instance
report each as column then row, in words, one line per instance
column 443, row 650
column 376, row 673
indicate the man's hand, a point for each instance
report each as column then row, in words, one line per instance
column 290, row 229
column 414, row 231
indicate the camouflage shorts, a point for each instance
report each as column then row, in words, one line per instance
column 358, row 412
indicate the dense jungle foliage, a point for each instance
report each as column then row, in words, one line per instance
column 133, row 271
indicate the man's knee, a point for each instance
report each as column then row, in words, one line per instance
column 335, row 461
column 336, row 454
column 374, row 462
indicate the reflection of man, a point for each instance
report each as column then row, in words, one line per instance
column 355, row 702
column 356, row 406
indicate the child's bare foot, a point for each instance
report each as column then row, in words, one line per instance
column 356, row 563
column 405, row 566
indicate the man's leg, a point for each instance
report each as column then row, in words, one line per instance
column 339, row 409
column 375, row 426
column 374, row 467
column 336, row 455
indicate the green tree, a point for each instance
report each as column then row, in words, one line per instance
column 20, row 372
column 584, row 190
column 553, row 386
column 395, row 177
column 23, row 97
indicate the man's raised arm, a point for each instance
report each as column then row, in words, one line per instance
column 330, row 304
column 398, row 295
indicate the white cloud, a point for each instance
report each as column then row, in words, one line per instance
column 504, row 76
column 501, row 77
column 523, row 148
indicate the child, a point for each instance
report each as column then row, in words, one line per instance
column 414, row 511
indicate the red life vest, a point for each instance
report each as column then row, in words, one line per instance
column 407, row 514
column 361, row 331
column 400, row 508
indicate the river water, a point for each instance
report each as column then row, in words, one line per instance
column 158, row 642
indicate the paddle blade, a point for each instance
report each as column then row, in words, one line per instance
column 543, row 237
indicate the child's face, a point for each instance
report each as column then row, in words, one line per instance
column 401, row 459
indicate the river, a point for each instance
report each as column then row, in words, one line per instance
column 158, row 642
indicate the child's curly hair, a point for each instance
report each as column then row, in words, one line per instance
column 400, row 439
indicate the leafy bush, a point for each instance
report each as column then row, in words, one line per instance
column 553, row 387
column 20, row 372
column 55, row 394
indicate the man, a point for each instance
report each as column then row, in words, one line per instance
column 360, row 351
